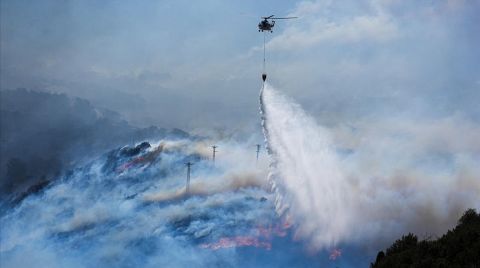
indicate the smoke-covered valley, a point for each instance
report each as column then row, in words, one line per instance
column 129, row 207
column 328, row 196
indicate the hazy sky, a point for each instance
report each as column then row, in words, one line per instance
column 197, row 64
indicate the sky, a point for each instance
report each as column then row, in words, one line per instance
column 197, row 65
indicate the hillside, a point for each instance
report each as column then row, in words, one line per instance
column 459, row 247
column 44, row 134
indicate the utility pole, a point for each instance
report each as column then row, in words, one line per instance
column 258, row 151
column 214, row 147
column 189, row 165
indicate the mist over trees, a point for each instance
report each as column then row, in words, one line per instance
column 43, row 134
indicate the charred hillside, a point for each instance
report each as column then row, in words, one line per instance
column 43, row 134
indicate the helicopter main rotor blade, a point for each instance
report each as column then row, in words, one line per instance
column 271, row 16
column 286, row 18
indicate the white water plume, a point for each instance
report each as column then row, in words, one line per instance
column 309, row 183
column 382, row 188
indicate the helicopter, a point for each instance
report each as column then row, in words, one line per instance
column 266, row 25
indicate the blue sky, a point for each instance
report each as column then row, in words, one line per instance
column 197, row 64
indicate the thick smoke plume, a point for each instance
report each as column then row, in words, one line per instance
column 224, row 183
column 364, row 192
column 128, row 208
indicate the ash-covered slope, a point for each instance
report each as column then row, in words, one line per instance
column 128, row 208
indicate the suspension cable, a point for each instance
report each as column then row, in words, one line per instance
column 264, row 71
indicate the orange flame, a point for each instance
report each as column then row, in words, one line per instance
column 147, row 158
column 261, row 240
column 238, row 241
column 335, row 253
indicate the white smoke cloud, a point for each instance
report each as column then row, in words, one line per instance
column 213, row 185
column 318, row 26
column 121, row 210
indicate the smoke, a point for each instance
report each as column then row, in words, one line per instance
column 38, row 143
column 224, row 183
column 367, row 184
column 129, row 208
column 337, row 188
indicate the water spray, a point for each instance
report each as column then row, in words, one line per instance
column 304, row 172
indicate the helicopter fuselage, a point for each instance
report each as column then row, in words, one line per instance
column 266, row 25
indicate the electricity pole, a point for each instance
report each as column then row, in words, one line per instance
column 214, row 147
column 258, row 151
column 189, row 165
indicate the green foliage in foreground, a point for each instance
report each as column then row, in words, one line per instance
column 459, row 247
